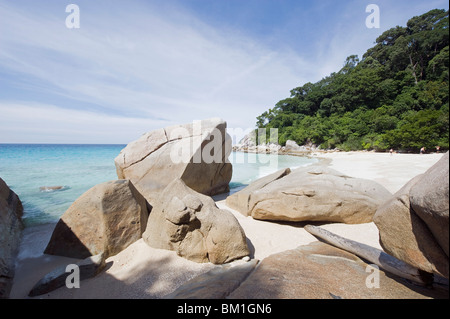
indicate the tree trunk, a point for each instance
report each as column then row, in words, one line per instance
column 413, row 67
column 373, row 255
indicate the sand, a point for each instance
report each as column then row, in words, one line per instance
column 144, row 272
column 391, row 171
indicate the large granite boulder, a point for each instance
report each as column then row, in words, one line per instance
column 430, row 201
column 314, row 193
column 104, row 220
column 11, row 227
column 407, row 236
column 191, row 224
column 321, row 271
column 196, row 152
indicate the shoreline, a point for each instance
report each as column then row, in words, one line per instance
column 143, row 272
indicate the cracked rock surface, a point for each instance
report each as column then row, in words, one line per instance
column 314, row 193
column 191, row 224
column 195, row 152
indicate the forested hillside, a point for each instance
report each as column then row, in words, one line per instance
column 395, row 96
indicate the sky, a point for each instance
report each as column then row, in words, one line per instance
column 134, row 66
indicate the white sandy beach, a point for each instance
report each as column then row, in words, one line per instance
column 143, row 272
column 391, row 171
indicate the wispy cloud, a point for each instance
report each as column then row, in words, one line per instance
column 154, row 65
column 146, row 66
column 34, row 122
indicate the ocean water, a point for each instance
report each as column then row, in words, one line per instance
column 76, row 168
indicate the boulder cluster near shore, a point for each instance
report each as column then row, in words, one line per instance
column 250, row 144
column 163, row 197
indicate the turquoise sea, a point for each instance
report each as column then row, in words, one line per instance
column 28, row 167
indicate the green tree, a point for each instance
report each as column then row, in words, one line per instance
column 425, row 128
column 395, row 96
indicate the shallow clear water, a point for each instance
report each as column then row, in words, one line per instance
column 27, row 168
column 248, row 167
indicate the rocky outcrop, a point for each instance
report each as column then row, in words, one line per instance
column 254, row 142
column 197, row 153
column 314, row 193
column 51, row 188
column 191, row 224
column 11, row 227
column 248, row 141
column 413, row 223
column 104, row 220
column 291, row 146
column 429, row 199
column 321, row 271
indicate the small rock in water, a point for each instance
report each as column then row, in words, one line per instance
column 50, row 188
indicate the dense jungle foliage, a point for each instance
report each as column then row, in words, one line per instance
column 396, row 96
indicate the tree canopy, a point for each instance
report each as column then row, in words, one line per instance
column 396, row 96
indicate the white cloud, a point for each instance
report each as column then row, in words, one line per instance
column 149, row 66
column 33, row 123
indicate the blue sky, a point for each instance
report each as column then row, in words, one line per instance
column 134, row 66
